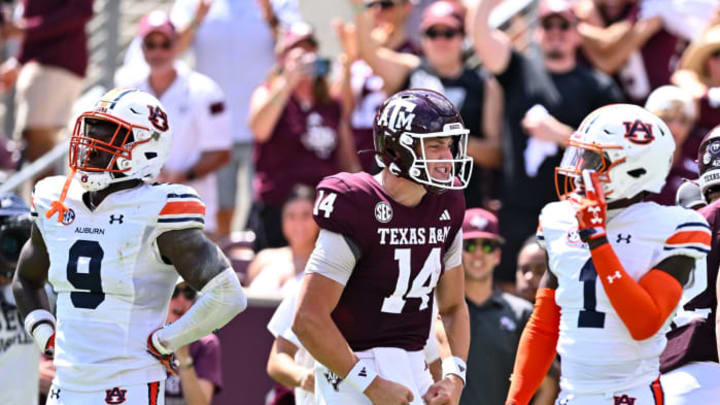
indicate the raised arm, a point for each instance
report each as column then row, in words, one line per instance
column 393, row 67
column 487, row 151
column 492, row 46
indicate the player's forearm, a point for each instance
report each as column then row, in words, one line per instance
column 643, row 305
column 323, row 340
column 29, row 296
column 456, row 321
column 222, row 298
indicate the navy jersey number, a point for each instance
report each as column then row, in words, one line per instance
column 89, row 281
column 589, row 317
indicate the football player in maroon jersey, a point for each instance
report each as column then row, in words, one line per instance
column 386, row 242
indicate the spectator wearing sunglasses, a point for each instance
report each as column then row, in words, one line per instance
column 199, row 370
column 545, row 99
column 201, row 123
column 442, row 68
column 627, row 43
column 360, row 89
column 496, row 318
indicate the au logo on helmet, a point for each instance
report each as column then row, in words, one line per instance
column 639, row 132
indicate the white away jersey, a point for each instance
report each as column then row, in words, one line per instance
column 598, row 354
column 113, row 285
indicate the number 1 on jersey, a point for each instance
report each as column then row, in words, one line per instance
column 589, row 317
column 420, row 288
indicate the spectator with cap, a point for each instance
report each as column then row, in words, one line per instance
column 637, row 51
column 442, row 68
column 689, row 195
column 300, row 132
column 496, row 318
column 49, row 69
column 197, row 111
column 359, row 88
column 199, row 370
column 677, row 109
column 544, row 101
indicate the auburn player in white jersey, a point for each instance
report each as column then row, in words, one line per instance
column 617, row 265
column 112, row 246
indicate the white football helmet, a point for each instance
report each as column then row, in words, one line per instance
column 631, row 147
column 125, row 136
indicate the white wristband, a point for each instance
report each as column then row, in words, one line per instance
column 360, row 376
column 40, row 324
column 454, row 365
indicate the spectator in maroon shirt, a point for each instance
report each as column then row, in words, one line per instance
column 199, row 370
column 638, row 53
column 300, row 132
column 49, row 68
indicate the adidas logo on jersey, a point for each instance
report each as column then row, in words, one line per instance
column 363, row 372
column 445, row 216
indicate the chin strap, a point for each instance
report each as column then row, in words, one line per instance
column 58, row 205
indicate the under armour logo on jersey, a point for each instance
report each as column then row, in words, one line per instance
column 363, row 372
column 445, row 216
column 616, row 276
column 118, row 219
column 596, row 214
column 55, row 393
column 333, row 380
column 639, row 132
column 115, row 396
column 625, row 239
column 624, row 400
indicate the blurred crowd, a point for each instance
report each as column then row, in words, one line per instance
column 260, row 116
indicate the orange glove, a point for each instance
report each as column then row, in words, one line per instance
column 167, row 360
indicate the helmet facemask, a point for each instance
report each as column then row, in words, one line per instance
column 581, row 156
column 459, row 167
column 101, row 149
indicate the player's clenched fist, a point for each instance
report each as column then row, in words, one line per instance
column 386, row 392
column 591, row 209
column 444, row 392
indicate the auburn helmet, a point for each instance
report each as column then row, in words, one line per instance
column 630, row 147
column 402, row 125
column 709, row 162
column 15, row 227
column 125, row 136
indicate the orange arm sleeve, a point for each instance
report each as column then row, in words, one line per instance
column 644, row 305
column 537, row 348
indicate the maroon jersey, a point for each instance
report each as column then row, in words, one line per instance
column 695, row 341
column 301, row 150
column 388, row 299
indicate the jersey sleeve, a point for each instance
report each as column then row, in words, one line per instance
column 43, row 194
column 691, row 237
column 182, row 209
column 453, row 256
column 334, row 209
